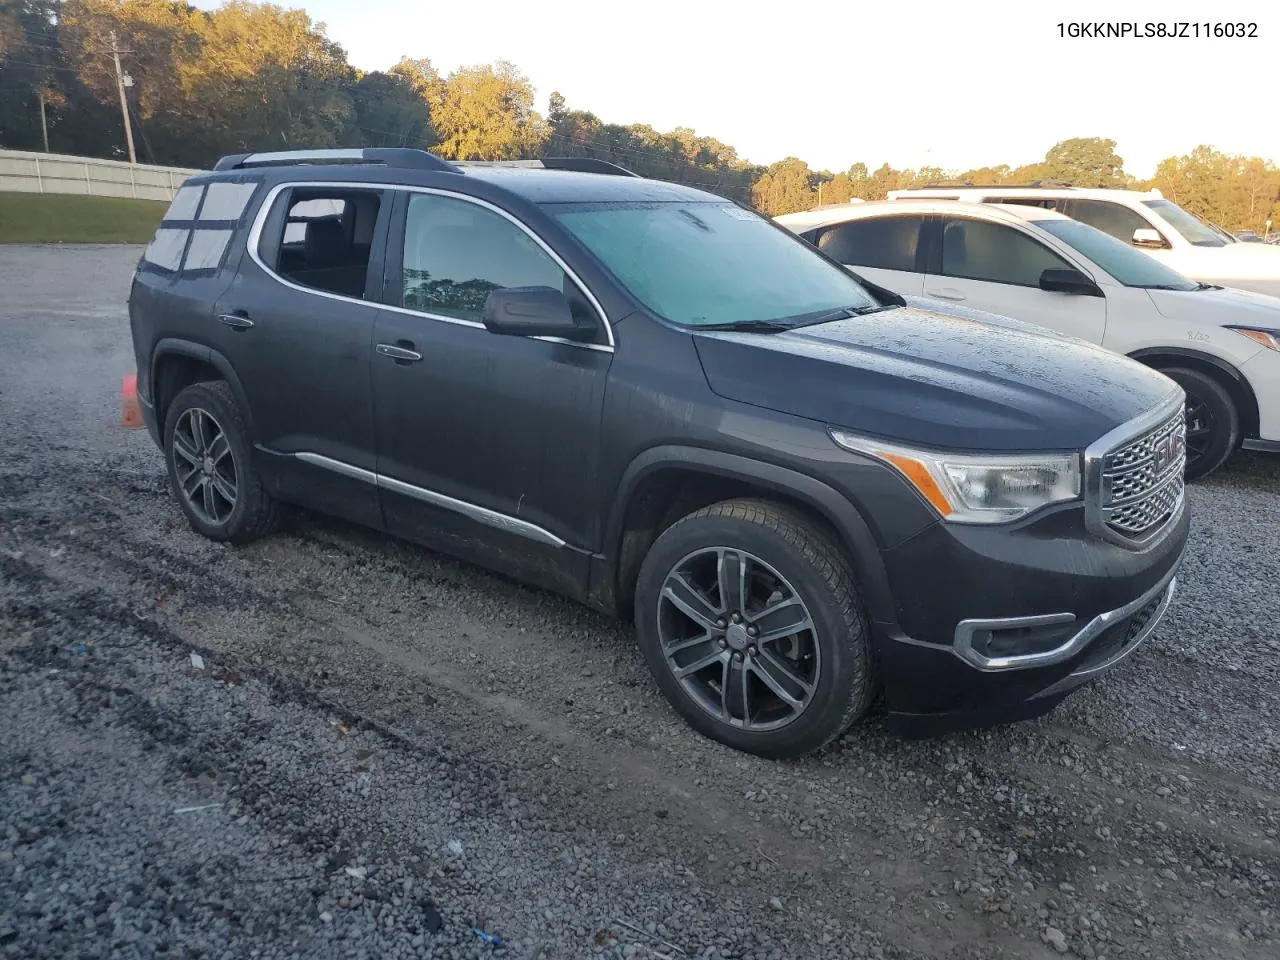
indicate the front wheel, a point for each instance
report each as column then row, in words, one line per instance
column 1213, row 423
column 748, row 618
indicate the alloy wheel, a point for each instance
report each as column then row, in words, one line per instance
column 1201, row 426
column 738, row 638
column 205, row 467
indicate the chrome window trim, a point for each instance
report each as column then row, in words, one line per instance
column 963, row 642
column 259, row 223
column 1095, row 456
column 490, row 518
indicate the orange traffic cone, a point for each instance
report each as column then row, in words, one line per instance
column 132, row 416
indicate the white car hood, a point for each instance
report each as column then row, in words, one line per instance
column 1252, row 260
column 1224, row 307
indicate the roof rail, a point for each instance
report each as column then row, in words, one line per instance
column 579, row 164
column 403, row 157
column 967, row 185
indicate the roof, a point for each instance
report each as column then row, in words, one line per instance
column 810, row 219
column 551, row 180
column 1013, row 190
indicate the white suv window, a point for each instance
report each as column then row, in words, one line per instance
column 977, row 250
column 1112, row 218
column 887, row 243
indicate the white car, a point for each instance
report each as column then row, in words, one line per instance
column 1155, row 225
column 1036, row 265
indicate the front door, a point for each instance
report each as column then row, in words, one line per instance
column 996, row 268
column 487, row 444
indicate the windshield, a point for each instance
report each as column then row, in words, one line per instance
column 1127, row 264
column 708, row 264
column 1194, row 230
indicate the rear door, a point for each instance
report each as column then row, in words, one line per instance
column 886, row 250
column 996, row 267
column 297, row 326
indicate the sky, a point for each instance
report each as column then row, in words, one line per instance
column 835, row 85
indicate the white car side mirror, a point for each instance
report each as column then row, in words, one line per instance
column 1147, row 237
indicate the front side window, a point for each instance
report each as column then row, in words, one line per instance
column 1194, row 230
column 887, row 243
column 1111, row 218
column 456, row 251
column 1126, row 263
column 706, row 263
column 978, row 250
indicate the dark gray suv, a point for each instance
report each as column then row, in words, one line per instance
column 809, row 495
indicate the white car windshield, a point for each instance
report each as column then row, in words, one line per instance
column 712, row 264
column 1127, row 264
column 1196, row 231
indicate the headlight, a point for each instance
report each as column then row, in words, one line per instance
column 967, row 488
column 1268, row 338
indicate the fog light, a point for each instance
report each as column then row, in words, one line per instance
column 1015, row 641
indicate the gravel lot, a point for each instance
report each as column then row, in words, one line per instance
column 385, row 750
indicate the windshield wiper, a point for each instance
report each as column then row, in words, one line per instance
column 1208, row 286
column 747, row 326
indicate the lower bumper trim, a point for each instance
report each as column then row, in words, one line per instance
column 1261, row 446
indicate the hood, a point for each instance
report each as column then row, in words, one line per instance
column 949, row 379
column 1221, row 308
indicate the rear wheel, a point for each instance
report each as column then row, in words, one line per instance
column 211, row 470
column 747, row 616
column 1213, row 423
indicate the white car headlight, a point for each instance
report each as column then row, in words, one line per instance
column 981, row 488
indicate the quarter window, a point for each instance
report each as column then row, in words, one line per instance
column 455, row 252
column 887, row 243
column 977, row 250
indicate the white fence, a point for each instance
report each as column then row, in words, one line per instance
column 25, row 172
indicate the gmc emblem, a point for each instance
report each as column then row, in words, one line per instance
column 1167, row 451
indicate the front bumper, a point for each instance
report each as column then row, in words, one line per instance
column 1083, row 604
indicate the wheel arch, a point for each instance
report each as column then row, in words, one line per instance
column 177, row 363
column 1221, row 370
column 667, row 482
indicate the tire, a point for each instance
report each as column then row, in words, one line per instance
column 1210, row 404
column 832, row 658
column 251, row 513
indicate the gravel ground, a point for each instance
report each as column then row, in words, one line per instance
column 380, row 751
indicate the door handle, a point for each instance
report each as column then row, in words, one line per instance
column 236, row 321
column 946, row 293
column 399, row 352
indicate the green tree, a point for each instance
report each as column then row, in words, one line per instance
column 785, row 187
column 486, row 113
column 388, row 113
column 1236, row 192
column 1085, row 162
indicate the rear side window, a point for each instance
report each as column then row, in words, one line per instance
column 196, row 230
column 887, row 243
column 1110, row 218
column 324, row 238
column 977, row 250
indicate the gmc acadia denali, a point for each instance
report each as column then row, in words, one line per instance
column 809, row 495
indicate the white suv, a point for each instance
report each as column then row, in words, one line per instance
column 1036, row 265
column 1194, row 247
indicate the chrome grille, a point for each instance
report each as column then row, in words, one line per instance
column 1142, row 481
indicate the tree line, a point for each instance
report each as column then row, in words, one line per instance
column 254, row 76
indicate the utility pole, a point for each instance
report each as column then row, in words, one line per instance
column 44, row 123
column 124, row 104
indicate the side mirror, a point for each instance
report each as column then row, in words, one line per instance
column 1147, row 237
column 1068, row 281
column 532, row 312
